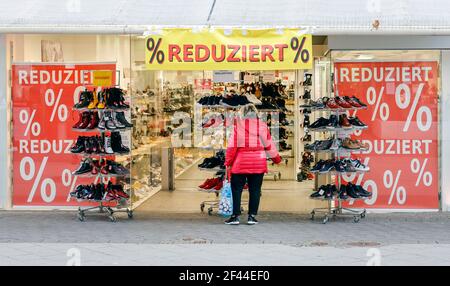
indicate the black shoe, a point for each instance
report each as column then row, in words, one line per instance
column 242, row 100
column 120, row 116
column 85, row 167
column 356, row 122
column 361, row 192
column 233, row 220
column 343, row 192
column 333, row 122
column 318, row 166
column 319, row 123
column 230, row 101
column 116, row 143
column 327, row 166
column 340, row 166
column 85, row 99
column 320, row 192
column 79, row 145
column 352, row 191
column 251, row 220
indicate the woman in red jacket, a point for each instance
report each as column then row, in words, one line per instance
column 246, row 159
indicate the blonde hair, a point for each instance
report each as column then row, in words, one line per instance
column 248, row 111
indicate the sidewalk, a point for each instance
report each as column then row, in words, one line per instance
column 58, row 238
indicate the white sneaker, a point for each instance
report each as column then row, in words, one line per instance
column 359, row 166
column 253, row 99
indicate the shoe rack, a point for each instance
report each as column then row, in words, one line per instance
column 334, row 201
column 306, row 82
column 113, row 193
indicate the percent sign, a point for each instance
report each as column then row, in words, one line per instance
column 391, row 183
column 403, row 100
column 52, row 101
column 25, row 118
column 298, row 47
column 381, row 108
column 155, row 52
column 28, row 173
column 368, row 184
column 419, row 168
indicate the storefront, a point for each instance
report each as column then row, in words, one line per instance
column 166, row 77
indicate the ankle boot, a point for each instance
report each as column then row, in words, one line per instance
column 122, row 119
column 116, row 122
column 80, row 120
column 101, row 100
column 93, row 122
column 116, row 143
column 84, row 120
column 109, row 122
column 86, row 99
column 100, row 143
column 102, row 124
column 108, row 149
column 94, row 101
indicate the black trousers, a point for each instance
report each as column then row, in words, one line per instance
column 254, row 187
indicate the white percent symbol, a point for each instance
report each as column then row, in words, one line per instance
column 367, row 185
column 381, row 108
column 403, row 101
column 28, row 121
column 57, row 107
column 391, row 183
column 28, row 173
column 419, row 168
column 68, row 180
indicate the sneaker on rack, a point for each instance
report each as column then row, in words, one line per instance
column 358, row 166
column 253, row 99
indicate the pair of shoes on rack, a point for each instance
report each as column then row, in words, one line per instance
column 342, row 166
column 333, row 144
column 234, row 220
column 335, row 122
column 110, row 120
column 99, row 192
column 213, row 184
column 337, row 102
column 104, row 167
column 100, row 144
column 217, row 160
column 107, row 98
column 331, row 192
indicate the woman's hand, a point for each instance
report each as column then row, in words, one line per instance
column 277, row 159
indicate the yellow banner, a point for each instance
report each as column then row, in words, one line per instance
column 102, row 78
column 237, row 49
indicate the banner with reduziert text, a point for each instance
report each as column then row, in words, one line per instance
column 402, row 134
column 42, row 99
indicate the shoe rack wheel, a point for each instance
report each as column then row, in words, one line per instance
column 81, row 216
column 279, row 176
column 101, row 209
column 312, row 215
column 130, row 213
column 275, row 177
column 202, row 207
column 356, row 219
column 112, row 218
column 217, row 194
column 325, row 219
column 286, row 162
column 210, row 210
column 363, row 214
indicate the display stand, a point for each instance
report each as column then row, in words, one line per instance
column 334, row 204
column 110, row 206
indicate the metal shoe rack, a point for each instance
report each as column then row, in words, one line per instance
column 335, row 204
column 108, row 207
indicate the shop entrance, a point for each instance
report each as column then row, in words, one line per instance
column 178, row 128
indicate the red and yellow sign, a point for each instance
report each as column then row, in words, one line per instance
column 269, row 49
column 402, row 117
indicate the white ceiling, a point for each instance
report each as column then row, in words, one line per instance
column 317, row 15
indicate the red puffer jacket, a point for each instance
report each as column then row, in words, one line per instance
column 248, row 147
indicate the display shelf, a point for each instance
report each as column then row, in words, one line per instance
column 340, row 150
column 216, row 169
column 101, row 109
column 312, row 108
column 339, row 173
column 99, row 175
column 342, row 129
column 100, row 154
column 339, row 199
column 102, row 130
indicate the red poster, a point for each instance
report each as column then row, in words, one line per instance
column 43, row 96
column 402, row 117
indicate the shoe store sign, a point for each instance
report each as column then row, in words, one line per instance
column 42, row 99
column 402, row 134
column 219, row 49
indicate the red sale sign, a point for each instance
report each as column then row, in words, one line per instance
column 42, row 97
column 402, row 117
